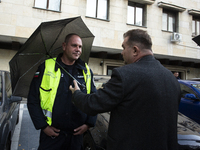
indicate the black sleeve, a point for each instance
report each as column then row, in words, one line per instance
column 91, row 120
column 33, row 101
column 104, row 100
column 93, row 87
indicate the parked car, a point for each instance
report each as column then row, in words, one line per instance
column 190, row 99
column 194, row 79
column 96, row 138
column 9, row 111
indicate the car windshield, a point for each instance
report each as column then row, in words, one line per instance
column 197, row 86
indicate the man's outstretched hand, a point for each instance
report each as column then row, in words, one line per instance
column 76, row 87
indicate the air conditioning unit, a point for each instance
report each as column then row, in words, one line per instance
column 176, row 37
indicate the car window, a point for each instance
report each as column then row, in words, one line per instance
column 0, row 89
column 8, row 85
column 197, row 86
column 186, row 90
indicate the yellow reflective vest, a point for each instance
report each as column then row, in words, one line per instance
column 49, row 86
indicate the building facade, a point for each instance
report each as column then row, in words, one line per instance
column 171, row 23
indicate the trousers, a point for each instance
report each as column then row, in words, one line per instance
column 65, row 141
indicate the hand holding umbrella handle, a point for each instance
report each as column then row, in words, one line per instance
column 76, row 86
column 82, row 86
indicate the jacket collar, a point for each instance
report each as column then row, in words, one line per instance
column 146, row 58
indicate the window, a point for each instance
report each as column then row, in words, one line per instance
column 169, row 20
column 186, row 90
column 8, row 85
column 97, row 9
column 48, row 4
column 110, row 69
column 135, row 14
column 195, row 26
column 195, row 21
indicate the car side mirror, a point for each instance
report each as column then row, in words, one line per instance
column 191, row 96
column 15, row 99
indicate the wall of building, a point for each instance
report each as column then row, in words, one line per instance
column 18, row 18
column 99, row 66
column 5, row 57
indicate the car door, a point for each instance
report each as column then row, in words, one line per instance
column 3, row 112
column 189, row 106
column 12, row 109
column 8, row 111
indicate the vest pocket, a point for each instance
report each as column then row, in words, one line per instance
column 46, row 89
column 45, row 100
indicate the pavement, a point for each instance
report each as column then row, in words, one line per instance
column 25, row 136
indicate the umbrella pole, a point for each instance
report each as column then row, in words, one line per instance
column 82, row 86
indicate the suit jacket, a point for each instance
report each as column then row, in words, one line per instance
column 143, row 98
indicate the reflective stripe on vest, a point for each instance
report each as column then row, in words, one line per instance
column 49, row 86
column 87, row 78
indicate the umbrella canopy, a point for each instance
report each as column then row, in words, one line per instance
column 45, row 42
column 197, row 40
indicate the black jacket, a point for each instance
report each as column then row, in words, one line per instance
column 143, row 98
column 65, row 115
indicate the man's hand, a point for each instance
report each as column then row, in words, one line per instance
column 80, row 130
column 76, row 87
column 51, row 131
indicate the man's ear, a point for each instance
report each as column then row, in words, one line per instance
column 63, row 45
column 135, row 50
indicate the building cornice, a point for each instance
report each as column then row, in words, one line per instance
column 194, row 12
column 148, row 2
column 171, row 6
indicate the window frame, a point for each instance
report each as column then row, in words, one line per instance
column 144, row 9
column 47, row 6
column 173, row 14
column 96, row 11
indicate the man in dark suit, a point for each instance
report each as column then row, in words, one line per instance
column 142, row 96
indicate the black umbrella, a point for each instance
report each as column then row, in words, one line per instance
column 45, row 42
column 197, row 40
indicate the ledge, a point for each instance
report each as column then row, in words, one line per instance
column 148, row 2
column 194, row 12
column 171, row 6
column 47, row 9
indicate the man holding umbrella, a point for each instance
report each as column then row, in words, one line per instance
column 49, row 100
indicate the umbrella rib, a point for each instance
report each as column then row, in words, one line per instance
column 31, row 54
column 57, row 37
column 26, row 72
column 47, row 53
column 56, row 49
column 44, row 43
